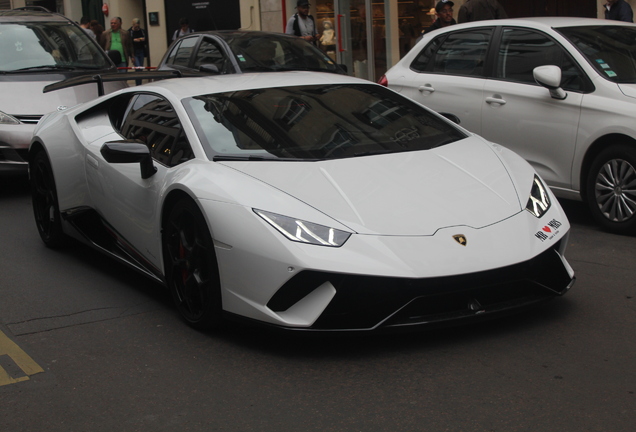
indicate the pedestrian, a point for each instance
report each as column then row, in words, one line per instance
column 618, row 10
column 116, row 39
column 140, row 44
column 85, row 24
column 184, row 29
column 479, row 10
column 98, row 29
column 444, row 12
column 302, row 24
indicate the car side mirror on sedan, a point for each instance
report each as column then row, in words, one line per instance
column 130, row 151
column 549, row 76
column 209, row 68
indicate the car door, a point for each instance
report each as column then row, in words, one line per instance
column 125, row 200
column 448, row 75
column 520, row 114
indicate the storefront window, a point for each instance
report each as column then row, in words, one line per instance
column 365, row 31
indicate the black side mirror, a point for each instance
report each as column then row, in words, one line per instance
column 451, row 117
column 209, row 68
column 130, row 151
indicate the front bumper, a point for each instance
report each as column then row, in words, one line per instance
column 382, row 303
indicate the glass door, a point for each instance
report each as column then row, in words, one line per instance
column 354, row 34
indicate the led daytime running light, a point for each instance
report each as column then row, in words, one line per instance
column 539, row 201
column 305, row 232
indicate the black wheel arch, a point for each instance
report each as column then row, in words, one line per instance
column 34, row 149
column 169, row 202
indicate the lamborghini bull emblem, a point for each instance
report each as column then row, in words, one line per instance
column 461, row 239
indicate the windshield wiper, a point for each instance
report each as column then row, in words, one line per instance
column 259, row 69
column 218, row 158
column 254, row 158
column 52, row 67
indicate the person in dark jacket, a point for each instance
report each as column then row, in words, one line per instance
column 479, row 10
column 444, row 11
column 302, row 24
column 619, row 10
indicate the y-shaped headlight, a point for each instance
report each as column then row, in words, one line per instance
column 539, row 201
column 305, row 232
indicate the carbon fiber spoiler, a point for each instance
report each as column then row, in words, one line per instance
column 100, row 79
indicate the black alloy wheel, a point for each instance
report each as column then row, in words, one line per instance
column 611, row 189
column 44, row 199
column 191, row 268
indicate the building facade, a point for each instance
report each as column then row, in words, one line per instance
column 368, row 36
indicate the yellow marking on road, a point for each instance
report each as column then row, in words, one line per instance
column 22, row 359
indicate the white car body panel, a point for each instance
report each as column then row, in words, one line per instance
column 445, row 93
column 537, row 121
column 47, row 102
column 19, row 136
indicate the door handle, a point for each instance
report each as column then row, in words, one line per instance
column 496, row 100
column 426, row 88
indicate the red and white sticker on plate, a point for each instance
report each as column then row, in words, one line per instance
column 549, row 230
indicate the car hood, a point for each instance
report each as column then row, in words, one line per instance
column 26, row 97
column 411, row 193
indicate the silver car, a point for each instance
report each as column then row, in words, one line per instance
column 39, row 48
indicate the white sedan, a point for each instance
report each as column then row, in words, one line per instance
column 560, row 92
column 300, row 200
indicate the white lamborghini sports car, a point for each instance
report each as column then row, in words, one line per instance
column 301, row 200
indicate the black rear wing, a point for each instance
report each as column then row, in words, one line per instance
column 100, row 79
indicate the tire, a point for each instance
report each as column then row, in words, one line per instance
column 45, row 204
column 192, row 271
column 611, row 189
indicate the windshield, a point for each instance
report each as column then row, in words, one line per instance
column 39, row 46
column 314, row 123
column 610, row 49
column 274, row 53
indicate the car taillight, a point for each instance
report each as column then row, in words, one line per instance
column 383, row 81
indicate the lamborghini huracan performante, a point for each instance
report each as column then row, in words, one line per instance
column 301, row 200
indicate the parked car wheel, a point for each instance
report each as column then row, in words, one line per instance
column 611, row 189
column 191, row 267
column 45, row 204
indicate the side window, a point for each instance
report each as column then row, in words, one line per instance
column 210, row 53
column 180, row 55
column 523, row 50
column 153, row 121
column 422, row 61
column 173, row 53
column 461, row 53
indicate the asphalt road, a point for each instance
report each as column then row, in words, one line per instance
column 92, row 346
